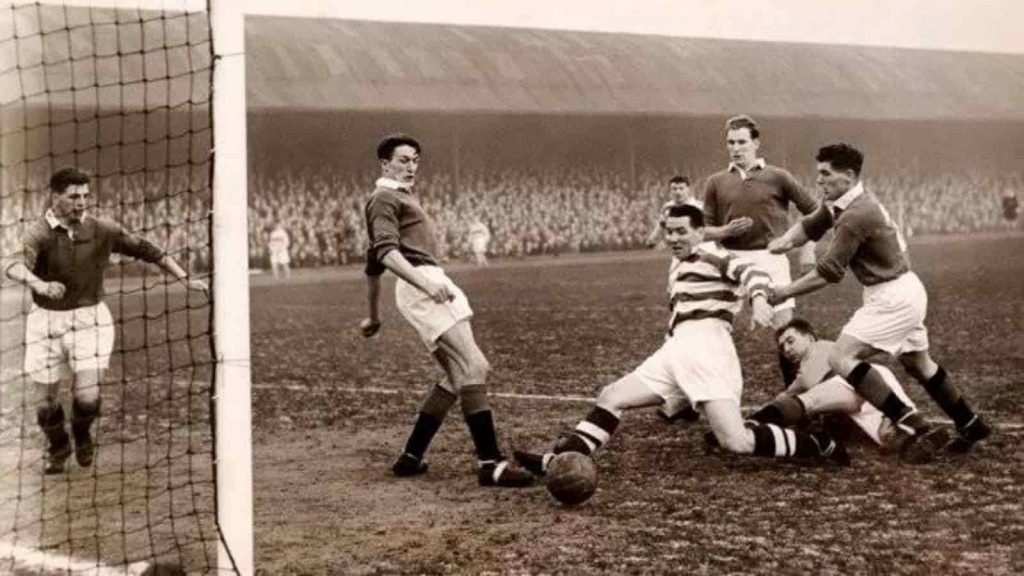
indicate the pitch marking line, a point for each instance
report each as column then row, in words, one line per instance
column 41, row 562
column 518, row 396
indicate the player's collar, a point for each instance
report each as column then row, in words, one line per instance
column 391, row 184
column 54, row 222
column 759, row 164
column 844, row 201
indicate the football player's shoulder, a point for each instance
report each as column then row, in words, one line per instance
column 383, row 197
column 103, row 226
column 711, row 252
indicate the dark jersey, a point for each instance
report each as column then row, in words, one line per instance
column 77, row 259
column 866, row 240
column 396, row 221
column 763, row 194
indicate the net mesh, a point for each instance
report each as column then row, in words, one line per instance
column 125, row 95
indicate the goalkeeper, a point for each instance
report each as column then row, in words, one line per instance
column 69, row 333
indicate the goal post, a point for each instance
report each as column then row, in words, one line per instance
column 233, row 430
column 146, row 99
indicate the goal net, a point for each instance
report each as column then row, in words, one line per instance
column 125, row 94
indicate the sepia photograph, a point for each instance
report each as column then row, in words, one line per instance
column 326, row 287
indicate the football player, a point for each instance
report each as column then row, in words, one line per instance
column 817, row 390
column 69, row 332
column 402, row 240
column 891, row 319
column 698, row 361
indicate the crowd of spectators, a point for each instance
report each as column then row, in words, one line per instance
column 560, row 210
column 535, row 210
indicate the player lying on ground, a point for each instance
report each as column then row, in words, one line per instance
column 891, row 319
column 69, row 333
column 402, row 240
column 698, row 361
column 817, row 390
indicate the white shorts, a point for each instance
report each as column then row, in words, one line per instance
column 280, row 259
column 776, row 265
column 429, row 318
column 892, row 316
column 835, row 395
column 697, row 363
column 59, row 343
column 480, row 245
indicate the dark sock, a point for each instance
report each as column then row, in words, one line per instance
column 51, row 420
column 82, row 416
column 774, row 441
column 432, row 413
column 870, row 384
column 784, row 412
column 485, row 438
column 594, row 431
column 948, row 397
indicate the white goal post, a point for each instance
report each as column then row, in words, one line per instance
column 231, row 290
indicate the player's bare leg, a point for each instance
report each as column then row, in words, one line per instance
column 920, row 439
column 771, row 440
column 832, row 396
column 468, row 373
column 50, row 416
column 84, row 410
column 597, row 428
column 970, row 427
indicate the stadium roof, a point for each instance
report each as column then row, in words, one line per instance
column 362, row 65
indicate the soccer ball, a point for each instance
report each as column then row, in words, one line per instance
column 571, row 478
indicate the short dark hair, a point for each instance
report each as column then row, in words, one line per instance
column 743, row 121
column 800, row 325
column 842, row 156
column 387, row 146
column 696, row 215
column 679, row 179
column 65, row 177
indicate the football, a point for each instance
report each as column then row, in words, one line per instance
column 571, row 478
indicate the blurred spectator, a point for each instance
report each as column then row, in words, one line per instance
column 479, row 238
column 280, row 259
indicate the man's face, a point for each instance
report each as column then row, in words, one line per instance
column 70, row 205
column 795, row 345
column 833, row 183
column 742, row 148
column 681, row 237
column 402, row 166
column 680, row 191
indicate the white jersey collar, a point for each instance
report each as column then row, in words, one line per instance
column 759, row 164
column 844, row 201
column 390, row 184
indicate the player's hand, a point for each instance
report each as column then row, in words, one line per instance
column 780, row 245
column 777, row 296
column 738, row 226
column 197, row 286
column 369, row 327
column 51, row 290
column 438, row 292
column 762, row 312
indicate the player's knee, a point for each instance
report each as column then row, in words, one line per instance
column 478, row 370
column 87, row 395
column 86, row 405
